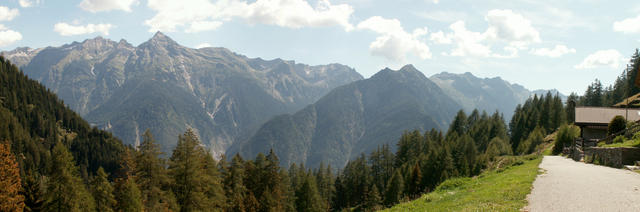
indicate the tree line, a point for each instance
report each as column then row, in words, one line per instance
column 52, row 160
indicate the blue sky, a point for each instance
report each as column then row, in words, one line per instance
column 536, row 43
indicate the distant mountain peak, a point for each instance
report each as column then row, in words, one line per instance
column 159, row 36
column 160, row 40
column 408, row 67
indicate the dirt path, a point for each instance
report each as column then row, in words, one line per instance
column 567, row 185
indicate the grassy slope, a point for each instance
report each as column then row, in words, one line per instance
column 504, row 190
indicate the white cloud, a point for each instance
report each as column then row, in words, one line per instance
column 8, row 37
column 393, row 42
column 8, row 14
column 629, row 25
column 440, row 38
column 467, row 42
column 511, row 27
column 66, row 29
column 507, row 30
column 28, row 3
column 171, row 14
column 557, row 51
column 199, row 26
column 107, row 5
column 611, row 58
column 203, row 45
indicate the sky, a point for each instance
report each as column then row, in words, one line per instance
column 540, row 44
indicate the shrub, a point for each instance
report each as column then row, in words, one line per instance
column 619, row 139
column 566, row 135
column 617, row 124
column 453, row 183
column 498, row 147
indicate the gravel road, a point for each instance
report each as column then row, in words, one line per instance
column 567, row 185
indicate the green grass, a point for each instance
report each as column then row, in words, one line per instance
column 500, row 190
column 626, row 143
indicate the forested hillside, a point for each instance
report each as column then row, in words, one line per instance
column 44, row 134
column 62, row 164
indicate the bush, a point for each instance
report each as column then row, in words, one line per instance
column 617, row 124
column 619, row 139
column 454, row 183
column 566, row 135
column 498, row 147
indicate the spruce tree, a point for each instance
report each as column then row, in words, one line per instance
column 194, row 175
column 102, row 192
column 373, row 199
column 236, row 191
column 152, row 177
column 65, row 190
column 307, row 197
column 395, row 189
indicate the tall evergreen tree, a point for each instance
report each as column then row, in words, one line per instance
column 395, row 189
column 194, row 187
column 236, row 191
column 307, row 197
column 152, row 178
column 127, row 193
column 65, row 189
column 103, row 192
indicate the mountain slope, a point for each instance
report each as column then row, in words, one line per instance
column 354, row 119
column 488, row 94
column 33, row 120
column 166, row 87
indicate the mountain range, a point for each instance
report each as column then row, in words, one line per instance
column 354, row 119
column 235, row 104
column 165, row 87
column 488, row 94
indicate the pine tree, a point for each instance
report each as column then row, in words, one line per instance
column 307, row 197
column 395, row 189
column 212, row 183
column 34, row 192
column 236, row 191
column 10, row 197
column 152, row 177
column 65, row 190
column 128, row 196
column 102, row 192
column 413, row 186
column 459, row 124
column 190, row 170
column 127, row 193
column 373, row 199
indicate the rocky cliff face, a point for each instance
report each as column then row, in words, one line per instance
column 166, row 88
column 354, row 119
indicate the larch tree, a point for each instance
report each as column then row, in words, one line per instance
column 127, row 193
column 10, row 197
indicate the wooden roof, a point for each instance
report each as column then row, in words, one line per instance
column 603, row 115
